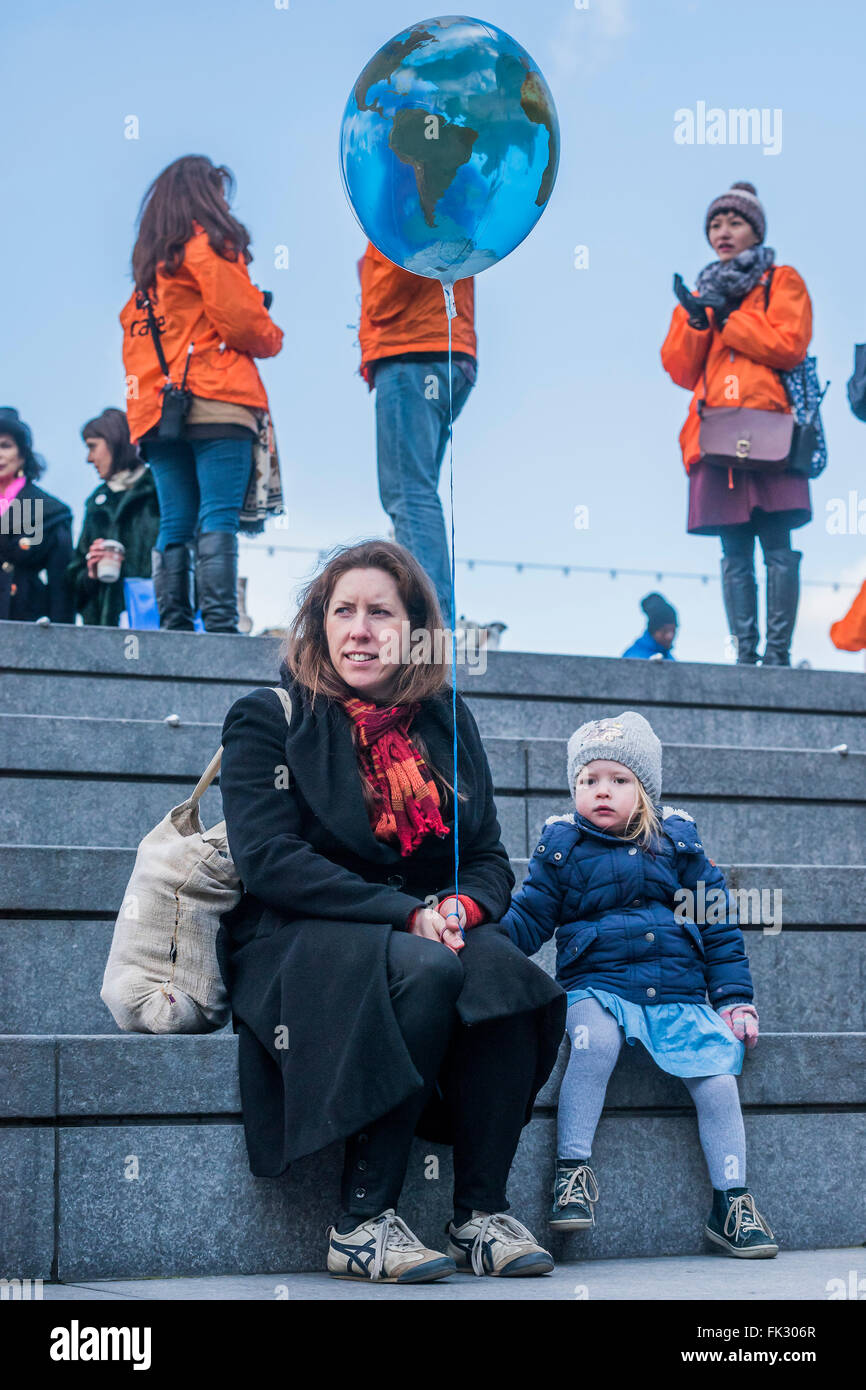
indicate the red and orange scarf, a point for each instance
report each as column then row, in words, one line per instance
column 406, row 797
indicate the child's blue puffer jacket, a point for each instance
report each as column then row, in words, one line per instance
column 612, row 906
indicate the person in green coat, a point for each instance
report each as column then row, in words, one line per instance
column 123, row 508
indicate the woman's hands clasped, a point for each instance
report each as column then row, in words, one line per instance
column 440, row 924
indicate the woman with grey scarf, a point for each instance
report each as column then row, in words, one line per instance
column 749, row 320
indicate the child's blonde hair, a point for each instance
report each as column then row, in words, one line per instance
column 643, row 824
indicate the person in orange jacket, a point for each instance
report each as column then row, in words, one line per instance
column 750, row 320
column 404, row 355
column 849, row 633
column 194, row 301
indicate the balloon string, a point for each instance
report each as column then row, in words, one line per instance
column 451, row 312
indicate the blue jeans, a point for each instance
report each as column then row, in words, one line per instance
column 201, row 485
column 411, row 437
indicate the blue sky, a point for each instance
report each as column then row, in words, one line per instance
column 571, row 407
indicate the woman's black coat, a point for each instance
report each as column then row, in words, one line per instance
column 304, row 952
column 24, row 596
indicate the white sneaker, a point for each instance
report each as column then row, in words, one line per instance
column 496, row 1244
column 383, row 1250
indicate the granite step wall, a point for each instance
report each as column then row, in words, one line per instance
column 132, row 1155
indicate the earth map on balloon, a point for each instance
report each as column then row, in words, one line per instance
column 449, row 147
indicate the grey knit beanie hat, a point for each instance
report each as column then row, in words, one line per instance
column 626, row 739
column 741, row 198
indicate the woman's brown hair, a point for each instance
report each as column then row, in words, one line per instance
column 191, row 189
column 306, row 648
column 113, row 427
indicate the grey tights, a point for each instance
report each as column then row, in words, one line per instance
column 596, row 1039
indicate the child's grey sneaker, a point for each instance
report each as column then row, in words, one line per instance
column 736, row 1225
column 383, row 1250
column 575, row 1193
column 496, row 1244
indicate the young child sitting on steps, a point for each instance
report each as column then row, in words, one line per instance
column 607, row 879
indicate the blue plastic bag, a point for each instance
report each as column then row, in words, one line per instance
column 142, row 612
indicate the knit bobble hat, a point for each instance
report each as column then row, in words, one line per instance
column 741, row 198
column 659, row 613
column 627, row 739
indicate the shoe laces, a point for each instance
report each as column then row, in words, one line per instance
column 746, row 1218
column 497, row 1226
column 392, row 1234
column 584, row 1178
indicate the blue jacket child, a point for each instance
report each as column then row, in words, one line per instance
column 644, row 933
column 619, row 914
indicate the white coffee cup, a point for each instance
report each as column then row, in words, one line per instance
column 110, row 561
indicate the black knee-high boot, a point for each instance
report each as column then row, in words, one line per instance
column 216, row 580
column 172, row 583
column 783, row 594
column 740, row 594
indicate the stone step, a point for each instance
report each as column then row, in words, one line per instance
column 89, row 813
column 107, row 782
column 52, row 975
column 56, row 880
column 54, row 745
column 100, row 672
column 141, row 1136
column 797, row 1276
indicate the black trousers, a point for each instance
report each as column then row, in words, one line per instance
column 773, row 530
column 485, row 1074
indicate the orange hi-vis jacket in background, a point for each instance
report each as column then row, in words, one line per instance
column 849, row 634
column 743, row 359
column 212, row 303
column 401, row 312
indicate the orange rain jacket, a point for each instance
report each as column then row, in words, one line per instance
column 212, row 303
column 402, row 312
column 849, row 634
column 743, row 359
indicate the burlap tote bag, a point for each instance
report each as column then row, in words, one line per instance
column 162, row 974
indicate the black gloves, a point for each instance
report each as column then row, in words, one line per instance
column 693, row 306
column 696, row 308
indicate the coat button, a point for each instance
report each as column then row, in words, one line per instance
column 360, row 1192
column 651, row 992
column 395, row 881
column 557, row 855
column 650, row 936
column 636, row 902
column 540, row 849
column 362, row 1165
column 632, row 851
column 362, row 1138
column 681, row 843
column 698, row 845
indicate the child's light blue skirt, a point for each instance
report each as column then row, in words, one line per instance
column 684, row 1039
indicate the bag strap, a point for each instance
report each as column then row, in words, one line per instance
column 157, row 343
column 157, row 338
column 213, row 766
